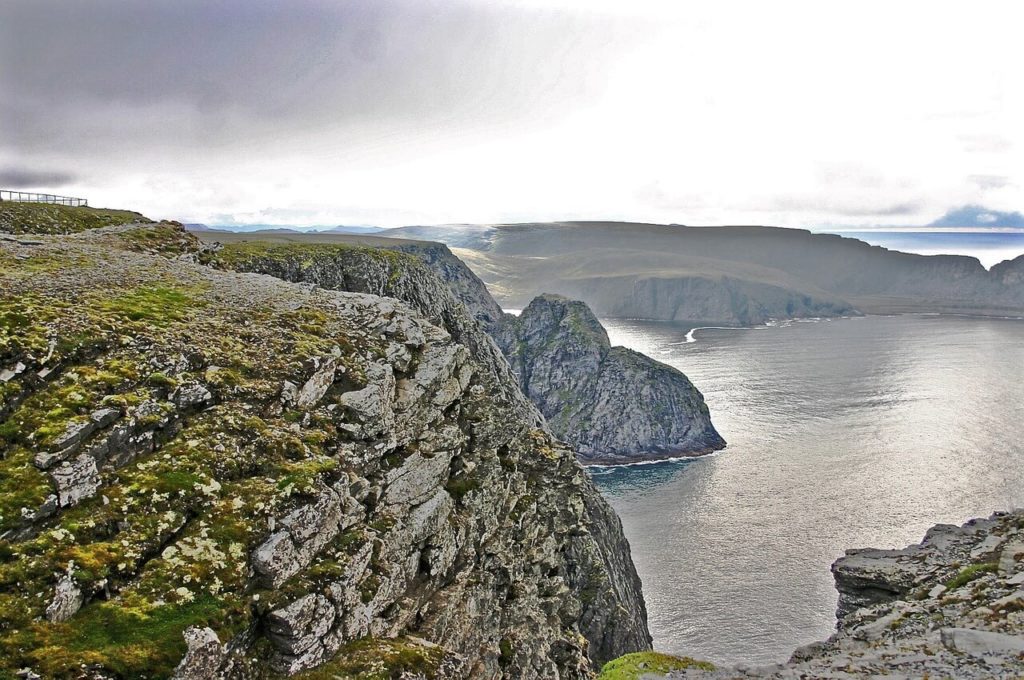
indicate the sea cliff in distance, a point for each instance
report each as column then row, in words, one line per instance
column 735, row 275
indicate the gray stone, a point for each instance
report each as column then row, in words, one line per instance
column 204, row 658
column 73, row 435
column 316, row 387
column 104, row 416
column 67, row 600
column 980, row 643
column 298, row 628
column 191, row 395
column 76, row 480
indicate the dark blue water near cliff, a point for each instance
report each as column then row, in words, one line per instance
column 845, row 433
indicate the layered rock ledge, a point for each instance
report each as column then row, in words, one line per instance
column 216, row 474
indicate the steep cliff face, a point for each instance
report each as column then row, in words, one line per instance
column 949, row 607
column 612, row 404
column 703, row 298
column 741, row 275
column 1010, row 272
column 235, row 476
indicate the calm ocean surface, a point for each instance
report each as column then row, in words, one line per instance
column 842, row 434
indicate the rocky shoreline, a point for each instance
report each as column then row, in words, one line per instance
column 951, row 606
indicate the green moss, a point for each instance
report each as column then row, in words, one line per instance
column 969, row 573
column 458, row 487
column 157, row 305
column 633, row 666
column 165, row 238
column 507, row 651
column 379, row 659
column 132, row 642
column 44, row 218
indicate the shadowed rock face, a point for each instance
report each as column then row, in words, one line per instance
column 245, row 477
column 611, row 404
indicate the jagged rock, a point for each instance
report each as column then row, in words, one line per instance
column 417, row 478
column 67, row 600
column 981, row 643
column 9, row 374
column 1009, row 560
column 372, row 406
column 191, row 395
column 298, row 630
column 204, row 658
column 868, row 577
column 612, row 404
column 76, row 480
column 314, row 389
column 104, row 416
column 75, row 433
column 304, row 533
column 930, row 610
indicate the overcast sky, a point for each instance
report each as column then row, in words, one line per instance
column 415, row 111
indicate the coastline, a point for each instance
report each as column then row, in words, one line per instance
column 644, row 459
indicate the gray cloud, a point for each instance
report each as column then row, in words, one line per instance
column 107, row 76
column 27, row 178
column 848, row 206
column 989, row 181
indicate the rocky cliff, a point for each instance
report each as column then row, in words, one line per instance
column 739, row 275
column 216, row 474
column 949, row 607
column 613, row 405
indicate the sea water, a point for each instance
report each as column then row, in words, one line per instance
column 842, row 434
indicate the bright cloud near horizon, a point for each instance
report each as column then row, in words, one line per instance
column 804, row 114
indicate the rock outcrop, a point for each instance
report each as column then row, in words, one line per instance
column 949, row 607
column 255, row 478
column 613, row 405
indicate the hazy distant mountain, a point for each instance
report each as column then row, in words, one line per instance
column 740, row 275
column 979, row 216
column 282, row 229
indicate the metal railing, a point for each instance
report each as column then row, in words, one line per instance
column 29, row 197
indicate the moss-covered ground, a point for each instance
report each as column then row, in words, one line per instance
column 44, row 218
column 633, row 666
column 164, row 543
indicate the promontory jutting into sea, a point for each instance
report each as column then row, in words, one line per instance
column 511, row 340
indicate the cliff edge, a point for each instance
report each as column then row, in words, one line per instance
column 217, row 474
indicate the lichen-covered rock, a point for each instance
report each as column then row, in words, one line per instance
column 67, row 600
column 408, row 494
column 205, row 656
column 612, row 404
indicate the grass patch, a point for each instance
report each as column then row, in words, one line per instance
column 632, row 666
column 44, row 218
column 131, row 642
column 969, row 573
column 378, row 659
